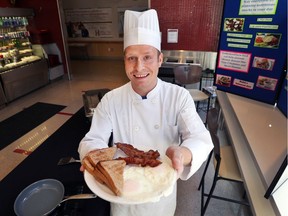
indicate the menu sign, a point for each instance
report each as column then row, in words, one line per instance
column 253, row 48
column 253, row 7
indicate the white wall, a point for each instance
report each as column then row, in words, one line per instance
column 114, row 5
column 103, row 3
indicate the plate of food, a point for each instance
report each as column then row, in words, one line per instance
column 137, row 177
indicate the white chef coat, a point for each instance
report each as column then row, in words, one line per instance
column 166, row 117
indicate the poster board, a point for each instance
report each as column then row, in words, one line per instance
column 252, row 48
column 283, row 95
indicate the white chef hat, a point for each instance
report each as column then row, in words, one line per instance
column 141, row 28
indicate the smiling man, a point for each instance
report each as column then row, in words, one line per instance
column 141, row 64
column 149, row 113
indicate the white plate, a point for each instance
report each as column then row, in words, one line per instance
column 165, row 189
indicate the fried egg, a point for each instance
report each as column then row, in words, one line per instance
column 149, row 183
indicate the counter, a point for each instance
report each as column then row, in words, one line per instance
column 2, row 96
column 24, row 79
column 94, row 49
column 258, row 134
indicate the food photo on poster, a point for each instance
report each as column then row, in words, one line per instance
column 223, row 80
column 263, row 63
column 266, row 83
column 267, row 40
column 234, row 24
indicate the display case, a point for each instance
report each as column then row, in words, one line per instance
column 19, row 66
column 52, row 54
column 15, row 46
column 2, row 96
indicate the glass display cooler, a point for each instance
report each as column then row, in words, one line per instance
column 21, row 71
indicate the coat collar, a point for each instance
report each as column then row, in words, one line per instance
column 152, row 94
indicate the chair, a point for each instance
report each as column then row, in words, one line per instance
column 224, row 163
column 191, row 74
column 91, row 98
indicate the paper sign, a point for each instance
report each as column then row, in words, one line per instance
column 172, row 35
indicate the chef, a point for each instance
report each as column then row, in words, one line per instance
column 149, row 113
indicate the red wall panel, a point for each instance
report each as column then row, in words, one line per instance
column 198, row 23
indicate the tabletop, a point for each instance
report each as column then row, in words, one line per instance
column 258, row 134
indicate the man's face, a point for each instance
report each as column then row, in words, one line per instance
column 141, row 64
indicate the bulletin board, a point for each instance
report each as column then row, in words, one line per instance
column 283, row 95
column 252, row 48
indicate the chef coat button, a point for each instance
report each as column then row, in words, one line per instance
column 136, row 128
column 156, row 126
column 154, row 101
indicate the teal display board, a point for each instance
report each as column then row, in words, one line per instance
column 282, row 99
column 253, row 48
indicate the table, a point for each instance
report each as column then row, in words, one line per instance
column 258, row 134
column 42, row 164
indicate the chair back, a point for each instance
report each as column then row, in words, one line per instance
column 91, row 98
column 187, row 74
column 212, row 122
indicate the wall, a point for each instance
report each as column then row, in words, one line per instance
column 103, row 21
column 117, row 8
column 198, row 23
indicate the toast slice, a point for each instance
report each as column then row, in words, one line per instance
column 113, row 171
column 92, row 170
column 87, row 165
column 101, row 154
column 98, row 175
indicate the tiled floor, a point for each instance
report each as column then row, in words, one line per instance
column 86, row 75
column 92, row 74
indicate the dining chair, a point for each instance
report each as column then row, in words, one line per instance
column 191, row 74
column 91, row 98
column 224, row 164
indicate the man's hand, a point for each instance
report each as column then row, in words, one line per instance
column 180, row 157
column 82, row 168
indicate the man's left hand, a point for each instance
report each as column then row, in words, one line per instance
column 180, row 157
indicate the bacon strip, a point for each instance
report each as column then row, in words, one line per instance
column 136, row 156
column 134, row 152
column 140, row 161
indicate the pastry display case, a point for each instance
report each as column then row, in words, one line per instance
column 2, row 96
column 21, row 71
